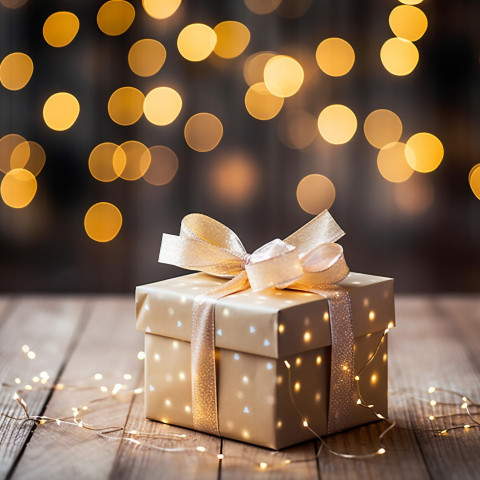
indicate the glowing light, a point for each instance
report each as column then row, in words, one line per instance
column 357, row 378
column 433, row 403
column 307, row 337
column 103, row 222
column 464, row 405
column 263, row 465
column 408, row 22
column 61, row 111
column 326, row 317
column 31, row 355
column 98, row 376
column 232, row 39
column 431, row 417
column 283, row 76
column 16, row 70
column 28, row 387
column 18, row 188
column 399, row 56
column 138, row 390
column 220, row 456
column 8, row 144
column 297, row 386
column 115, row 17
column 137, row 157
column 196, row 42
column 337, row 124
column 392, row 162
column 162, row 105
column 382, row 127
column 287, row 364
column 298, row 361
column 373, row 379
column 305, row 424
column 125, row 105
column 100, row 161
column 146, row 57
column 281, row 328
column 425, row 152
column 410, row 2
column 474, row 180
column 203, row 132
column 371, row 315
column 261, row 104
column 318, row 360
column 315, row 193
column 141, row 355
column 163, row 166
column 254, row 67
column 262, row 7
column 28, row 155
column 297, row 129
column 60, row 29
column 127, row 376
column 415, row 196
column 381, row 451
column 18, row 380
column 161, row 9
column 335, row 56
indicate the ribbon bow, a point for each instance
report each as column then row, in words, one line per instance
column 307, row 260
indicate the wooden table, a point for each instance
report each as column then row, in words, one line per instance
column 436, row 342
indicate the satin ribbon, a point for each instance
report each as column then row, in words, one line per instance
column 308, row 260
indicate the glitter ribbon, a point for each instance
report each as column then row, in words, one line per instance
column 308, row 260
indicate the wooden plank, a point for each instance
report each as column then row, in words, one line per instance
column 109, row 346
column 48, row 327
column 141, row 462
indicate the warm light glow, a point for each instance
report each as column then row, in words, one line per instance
column 318, row 360
column 297, row 387
column 125, row 105
column 399, row 56
column 392, row 162
column 254, row 67
column 203, row 132
column 382, row 127
column 162, row 105
column 410, row 2
column 315, row 193
column 298, row 361
column 263, row 465
column 100, row 161
column 163, row 166
column 60, row 28
column 146, row 57
column 307, row 337
column 16, row 70
column 8, row 144
column 433, row 403
column 18, row 188
column 262, row 7
column 232, row 39
column 474, row 180
column 196, row 42
column 415, row 196
column 161, row 9
column 335, row 56
column 61, row 111
column 408, row 22
column 283, row 76
column 371, row 315
column 103, row 222
column 297, row 129
column 115, row 17
column 261, row 104
column 281, row 328
column 373, row 379
column 425, row 152
column 138, row 160
column 337, row 124
column 28, row 155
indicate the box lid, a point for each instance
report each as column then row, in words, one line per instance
column 273, row 323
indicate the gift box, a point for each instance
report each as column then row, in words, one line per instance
column 272, row 356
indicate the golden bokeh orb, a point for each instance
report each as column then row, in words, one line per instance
column 29, row 156
column 262, row 7
column 8, row 144
column 392, row 162
column 146, row 57
column 18, row 188
column 125, row 105
column 162, row 105
column 115, row 17
column 335, row 56
column 410, row 2
column 254, row 67
column 315, row 193
column 337, row 124
column 163, row 166
column 161, row 9
column 297, row 129
column 425, row 152
column 408, row 22
column 382, row 126
column 474, row 180
column 283, row 76
column 60, row 28
column 196, row 42
column 60, row 111
column 261, row 104
column 131, row 160
column 13, row 4
column 102, row 222
column 399, row 56
column 16, row 71
column 100, row 161
column 203, row 132
column 232, row 39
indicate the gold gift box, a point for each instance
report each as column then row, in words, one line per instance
column 255, row 334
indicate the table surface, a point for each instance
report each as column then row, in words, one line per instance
column 436, row 342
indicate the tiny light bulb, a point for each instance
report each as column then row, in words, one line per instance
column 220, row 456
column 137, row 391
column 431, row 389
column 263, row 465
column 98, row 376
column 466, row 427
column 16, row 396
column 201, row 449
column 357, row 378
column 444, row 432
column 305, row 424
column 465, row 399
column 359, row 402
column 431, row 417
column 381, row 451
column 464, row 405
column 287, row 364
column 433, row 403
column 379, row 415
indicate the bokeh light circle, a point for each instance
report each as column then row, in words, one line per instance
column 162, row 105
column 254, row 67
column 60, row 28
column 196, row 42
column 102, row 222
column 115, row 17
column 161, row 9
column 335, row 56
column 392, row 162
column 100, row 161
column 125, row 105
column 410, row 2
column 18, row 188
column 261, row 104
column 13, row 4
column 408, row 22
column 232, row 39
column 163, row 166
column 137, row 157
column 315, row 193
column 262, row 7
column 203, row 132
column 399, row 56
column 61, row 111
column 283, row 76
column 8, row 144
column 425, row 152
column 474, row 180
column 29, row 156
column 146, row 57
column 337, row 124
column 16, row 70
column 297, row 129
column 381, row 127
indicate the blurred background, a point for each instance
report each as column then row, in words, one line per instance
column 118, row 118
